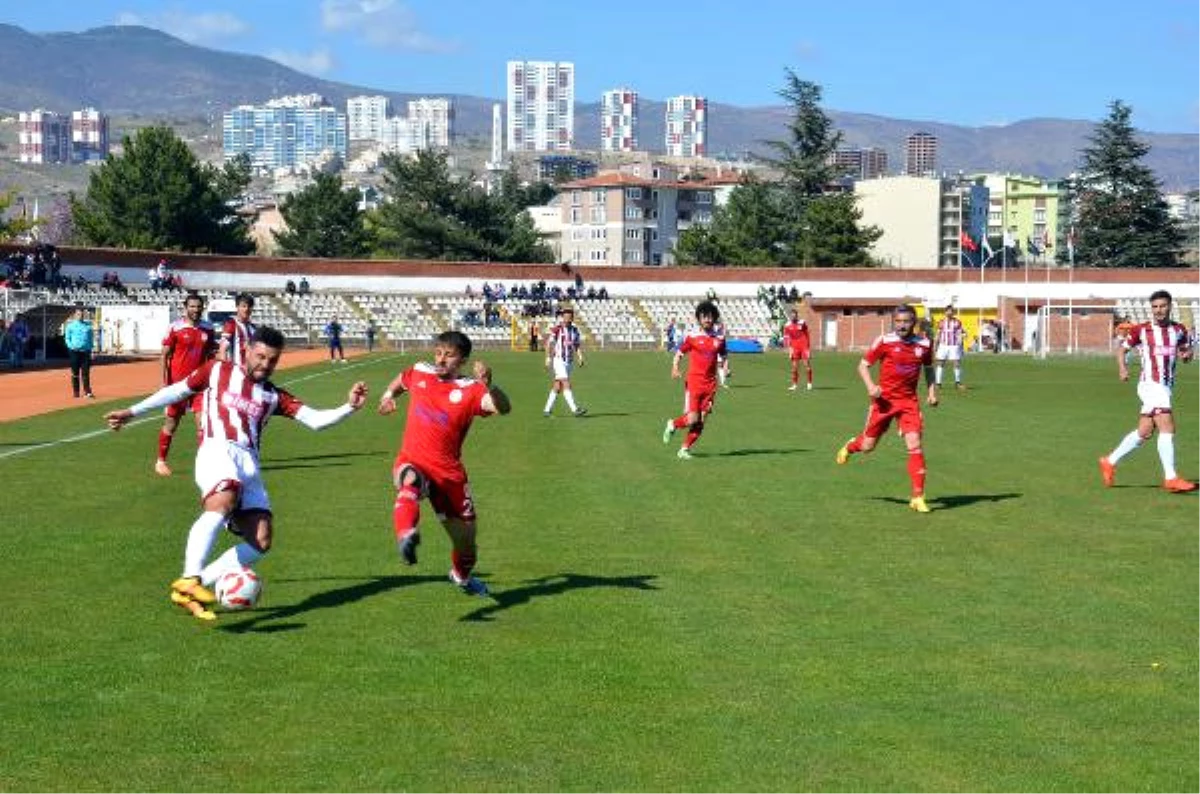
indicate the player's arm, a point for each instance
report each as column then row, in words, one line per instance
column 864, row 372
column 1122, row 368
column 675, row 362
column 387, row 400
column 165, row 362
column 167, row 395
column 315, row 419
column 495, row 401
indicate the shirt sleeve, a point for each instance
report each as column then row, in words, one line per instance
column 289, row 405
column 873, row 352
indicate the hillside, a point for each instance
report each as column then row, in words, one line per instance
column 139, row 72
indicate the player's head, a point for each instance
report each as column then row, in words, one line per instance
column 245, row 305
column 450, row 350
column 949, row 312
column 707, row 311
column 566, row 314
column 904, row 319
column 795, row 316
column 193, row 306
column 1160, row 306
column 263, row 352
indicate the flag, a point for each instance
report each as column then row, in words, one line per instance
column 1032, row 246
column 987, row 246
column 1009, row 241
column 1071, row 242
column 967, row 242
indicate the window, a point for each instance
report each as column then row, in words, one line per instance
column 633, row 234
column 704, row 197
column 599, row 215
column 633, row 213
column 633, row 255
column 576, row 214
column 576, row 198
column 1039, row 215
column 599, row 196
column 633, row 192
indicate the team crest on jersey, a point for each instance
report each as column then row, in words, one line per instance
column 456, row 396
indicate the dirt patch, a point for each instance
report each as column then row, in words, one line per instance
column 32, row 392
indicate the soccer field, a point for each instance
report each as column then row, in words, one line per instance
column 754, row 619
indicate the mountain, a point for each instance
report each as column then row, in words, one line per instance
column 139, row 71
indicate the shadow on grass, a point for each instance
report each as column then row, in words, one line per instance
column 270, row 616
column 602, row 415
column 331, row 456
column 953, row 501
column 741, row 453
column 315, row 461
column 552, row 586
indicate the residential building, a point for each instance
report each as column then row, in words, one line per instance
column 1024, row 210
column 869, row 162
column 396, row 136
column 920, row 154
column 43, row 137
column 431, row 122
column 552, row 167
column 909, row 211
column 619, row 120
column 89, row 136
column 687, row 126
column 366, row 115
column 285, row 133
column 541, row 106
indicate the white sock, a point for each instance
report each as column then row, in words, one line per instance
column 569, row 396
column 1166, row 453
column 200, row 541
column 550, row 401
column 721, row 375
column 957, row 374
column 937, row 374
column 243, row 555
column 1128, row 444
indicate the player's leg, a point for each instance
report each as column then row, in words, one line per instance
column 456, row 509
column 939, row 366
column 1164, row 422
column 698, row 411
column 568, row 394
column 221, row 490
column 956, row 357
column 555, row 388
column 877, row 424
column 795, row 379
column 256, row 529
column 411, row 485
column 910, row 423
column 166, row 435
column 808, row 371
column 76, row 358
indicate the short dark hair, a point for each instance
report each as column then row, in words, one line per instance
column 271, row 337
column 904, row 308
column 457, row 340
column 194, row 296
column 1159, row 294
column 709, row 308
column 246, row 298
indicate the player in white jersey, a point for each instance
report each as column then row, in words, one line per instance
column 950, row 338
column 237, row 331
column 564, row 349
column 1161, row 344
column 238, row 401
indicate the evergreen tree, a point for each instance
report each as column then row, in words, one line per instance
column 14, row 226
column 1123, row 220
column 323, row 220
column 157, row 196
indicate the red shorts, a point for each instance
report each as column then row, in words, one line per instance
column 177, row 410
column 882, row 412
column 448, row 494
column 797, row 353
column 699, row 399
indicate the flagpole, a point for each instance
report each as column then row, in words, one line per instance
column 1025, row 321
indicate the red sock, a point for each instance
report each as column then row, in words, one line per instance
column 795, row 377
column 680, row 422
column 692, row 435
column 164, row 444
column 463, row 561
column 406, row 511
column 916, row 471
column 855, row 445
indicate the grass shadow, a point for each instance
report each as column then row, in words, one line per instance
column 740, row 453
column 954, row 500
column 552, row 586
column 328, row 599
column 603, row 415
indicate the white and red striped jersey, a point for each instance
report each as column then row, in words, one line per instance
column 236, row 335
column 236, row 409
column 564, row 341
column 1159, row 347
column 950, row 332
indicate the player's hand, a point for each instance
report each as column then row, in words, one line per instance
column 547, row 362
column 387, row 403
column 117, row 419
column 358, row 395
column 482, row 372
column 875, row 391
column 932, row 399
column 675, row 373
column 1123, row 374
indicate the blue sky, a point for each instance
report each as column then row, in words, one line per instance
column 970, row 63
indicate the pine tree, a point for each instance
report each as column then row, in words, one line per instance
column 323, row 220
column 1123, row 220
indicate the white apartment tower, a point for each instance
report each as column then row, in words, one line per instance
column 541, row 106
column 365, row 116
column 89, row 136
column 687, row 126
column 920, row 154
column 497, row 159
column 619, row 120
column 43, row 137
column 432, row 122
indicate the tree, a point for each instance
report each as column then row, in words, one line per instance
column 14, row 226
column 323, row 220
column 1123, row 220
column 157, row 196
column 744, row 233
column 833, row 235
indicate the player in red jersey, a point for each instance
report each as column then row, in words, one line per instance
column 704, row 349
column 237, row 331
column 1161, row 344
column 902, row 356
column 442, row 405
column 795, row 333
column 239, row 399
column 190, row 341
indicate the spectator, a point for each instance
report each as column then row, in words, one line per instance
column 304, row 288
column 290, row 287
column 370, row 333
column 334, row 331
column 602, row 294
column 18, row 333
column 80, row 338
column 578, row 282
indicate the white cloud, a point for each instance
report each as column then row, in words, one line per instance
column 381, row 23
column 192, row 28
column 317, row 62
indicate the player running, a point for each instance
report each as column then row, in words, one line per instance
column 704, row 350
column 1161, row 344
column 795, row 333
column 442, row 405
column 902, row 356
column 238, row 400
column 564, row 350
column 237, row 331
column 190, row 341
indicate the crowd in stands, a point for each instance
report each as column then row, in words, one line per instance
column 291, row 289
column 162, row 277
column 40, row 266
column 111, row 280
column 539, row 298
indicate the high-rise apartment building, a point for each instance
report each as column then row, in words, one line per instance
column 541, row 106
column 89, row 136
column 432, row 122
column 856, row 162
column 365, row 116
column 687, row 126
column 285, row 132
column 619, row 120
column 920, row 154
column 43, row 137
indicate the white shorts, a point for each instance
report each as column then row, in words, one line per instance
column 562, row 369
column 221, row 462
column 1155, row 397
column 949, row 352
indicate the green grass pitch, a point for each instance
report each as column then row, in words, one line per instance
column 754, row 619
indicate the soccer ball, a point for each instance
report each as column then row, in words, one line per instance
column 238, row 589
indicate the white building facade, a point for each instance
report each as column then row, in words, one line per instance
column 431, row 122
column 365, row 116
column 619, row 120
column 285, row 133
column 541, row 106
column 43, row 137
column 687, row 126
